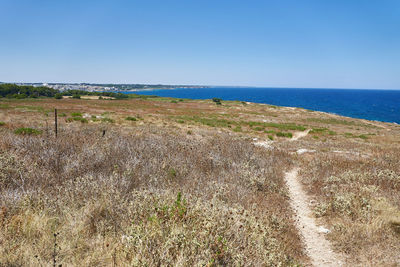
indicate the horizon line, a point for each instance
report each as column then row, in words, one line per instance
column 208, row 85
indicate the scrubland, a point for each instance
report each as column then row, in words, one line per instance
column 358, row 196
column 159, row 181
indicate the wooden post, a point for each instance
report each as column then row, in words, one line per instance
column 55, row 122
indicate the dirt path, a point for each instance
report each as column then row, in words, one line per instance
column 298, row 135
column 317, row 247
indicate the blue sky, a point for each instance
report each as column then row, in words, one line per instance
column 298, row 43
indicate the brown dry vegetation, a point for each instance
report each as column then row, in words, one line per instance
column 183, row 184
column 359, row 198
column 146, row 196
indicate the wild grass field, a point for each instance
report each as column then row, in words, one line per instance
column 168, row 182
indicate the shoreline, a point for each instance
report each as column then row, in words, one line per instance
column 263, row 103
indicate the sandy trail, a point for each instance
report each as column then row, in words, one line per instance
column 298, row 135
column 317, row 247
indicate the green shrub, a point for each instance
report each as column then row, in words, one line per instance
column 76, row 96
column 2, row 123
column 172, row 173
column 281, row 134
column 270, row 137
column 62, row 115
column 281, row 126
column 58, row 96
column 76, row 114
column 27, row 131
column 318, row 130
column 130, row 119
column 363, row 136
column 83, row 120
column 212, row 122
column 174, row 101
column 237, row 129
column 217, row 101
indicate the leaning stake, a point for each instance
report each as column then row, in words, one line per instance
column 55, row 121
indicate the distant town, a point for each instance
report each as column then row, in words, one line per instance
column 92, row 87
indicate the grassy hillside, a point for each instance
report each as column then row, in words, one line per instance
column 160, row 181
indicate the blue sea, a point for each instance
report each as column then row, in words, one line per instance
column 379, row 105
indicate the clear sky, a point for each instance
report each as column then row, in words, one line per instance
column 280, row 43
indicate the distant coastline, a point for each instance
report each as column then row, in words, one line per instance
column 108, row 87
column 369, row 104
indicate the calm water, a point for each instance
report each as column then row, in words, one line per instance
column 380, row 105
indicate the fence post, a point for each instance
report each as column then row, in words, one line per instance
column 55, row 121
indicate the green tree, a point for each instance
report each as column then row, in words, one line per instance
column 58, row 96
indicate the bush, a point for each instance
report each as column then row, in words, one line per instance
column 130, row 119
column 217, row 101
column 2, row 123
column 83, row 120
column 121, row 96
column 21, row 96
column 27, row 131
column 281, row 134
column 172, row 173
column 237, row 129
column 76, row 96
column 363, row 136
column 76, row 114
column 58, row 96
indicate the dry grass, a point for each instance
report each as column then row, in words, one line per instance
column 165, row 189
column 150, row 197
column 359, row 197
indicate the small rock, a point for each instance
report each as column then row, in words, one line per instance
column 323, row 230
column 304, row 150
